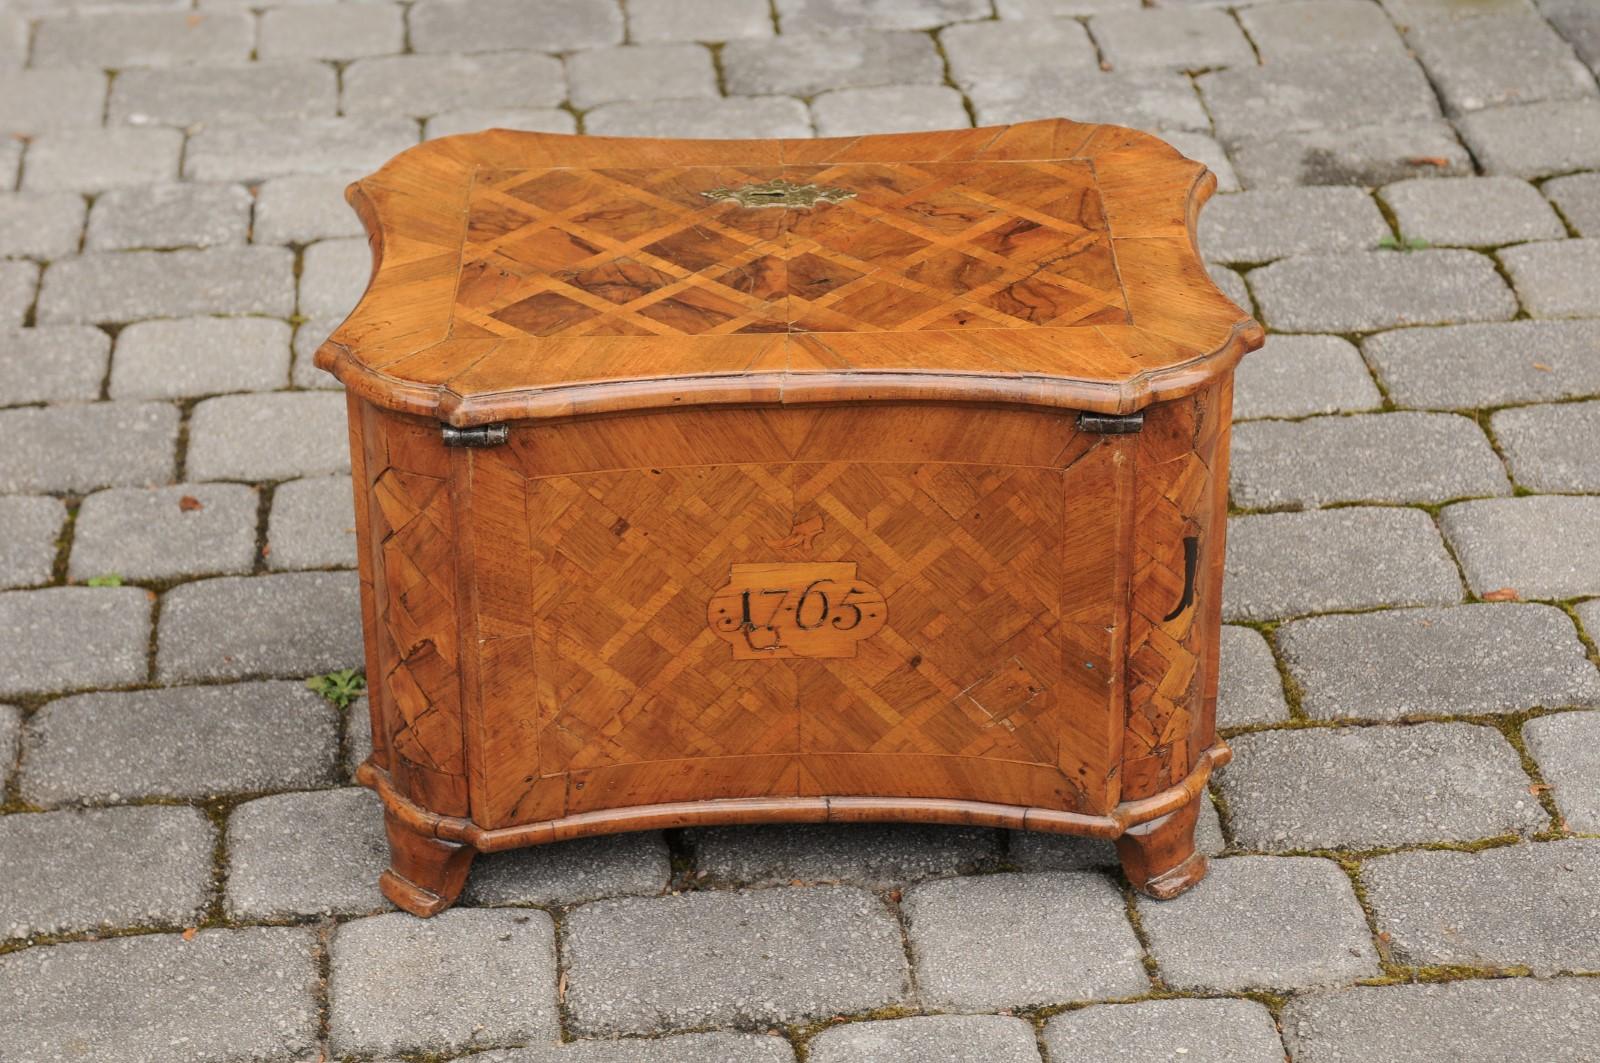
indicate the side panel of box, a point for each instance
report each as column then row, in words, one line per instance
column 1179, row 526
column 408, row 539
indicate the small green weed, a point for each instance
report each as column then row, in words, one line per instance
column 341, row 687
column 111, row 580
column 1413, row 244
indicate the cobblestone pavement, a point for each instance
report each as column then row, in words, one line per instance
column 1409, row 837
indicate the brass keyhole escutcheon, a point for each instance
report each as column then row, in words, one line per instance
column 780, row 193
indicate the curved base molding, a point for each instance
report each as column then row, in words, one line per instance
column 431, row 854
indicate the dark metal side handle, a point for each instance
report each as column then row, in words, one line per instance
column 1191, row 554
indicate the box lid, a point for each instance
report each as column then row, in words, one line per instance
column 522, row 275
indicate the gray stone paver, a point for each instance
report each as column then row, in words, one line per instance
column 1250, row 690
column 994, row 54
column 190, row 357
column 268, row 437
column 472, row 978
column 1192, row 39
column 682, row 1048
column 1463, row 660
column 316, row 853
column 1545, row 547
column 505, row 25
column 41, row 225
column 1160, row 1031
column 18, row 283
column 10, row 159
column 114, row 39
column 1377, row 154
column 1144, row 99
column 861, row 854
column 804, row 66
column 188, row 742
column 290, row 623
column 1366, row 291
column 1015, row 940
column 1288, row 564
column 10, row 730
column 1535, row 139
column 189, row 96
column 536, row 120
column 307, row 338
column 1589, row 617
column 1203, row 148
column 93, row 160
column 254, row 150
column 1463, row 366
column 1274, row 223
column 641, row 72
column 713, row 958
column 891, row 108
column 313, row 524
column 698, row 20
column 28, row 529
column 227, row 994
column 333, row 276
column 1298, row 28
column 1530, row 905
column 430, row 84
column 43, row 634
column 1552, row 448
column 166, row 216
column 1566, row 746
column 32, row 101
column 1557, row 279
column 185, row 530
column 928, row 1039
column 331, row 31
column 285, row 103
column 737, row 117
column 134, row 285
column 303, row 208
column 1579, row 23
column 1471, row 211
column 1294, row 376
column 1321, row 92
column 103, row 868
column 1378, row 457
column 1366, row 787
column 1305, row 927
column 1479, row 63
column 1232, row 283
column 571, row 872
column 1578, row 199
column 81, row 447
column 1512, row 1020
column 813, row 16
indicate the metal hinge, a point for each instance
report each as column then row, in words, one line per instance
column 481, row 435
column 1111, row 424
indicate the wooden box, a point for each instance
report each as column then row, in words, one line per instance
column 740, row 481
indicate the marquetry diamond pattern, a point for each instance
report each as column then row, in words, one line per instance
column 418, row 619
column 967, row 557
column 575, row 252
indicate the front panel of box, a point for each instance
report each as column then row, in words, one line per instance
column 863, row 600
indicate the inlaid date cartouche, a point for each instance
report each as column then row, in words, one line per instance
column 797, row 609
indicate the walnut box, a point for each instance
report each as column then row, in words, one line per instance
column 880, row 478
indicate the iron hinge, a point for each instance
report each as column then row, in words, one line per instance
column 1111, row 424
column 479, row 435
